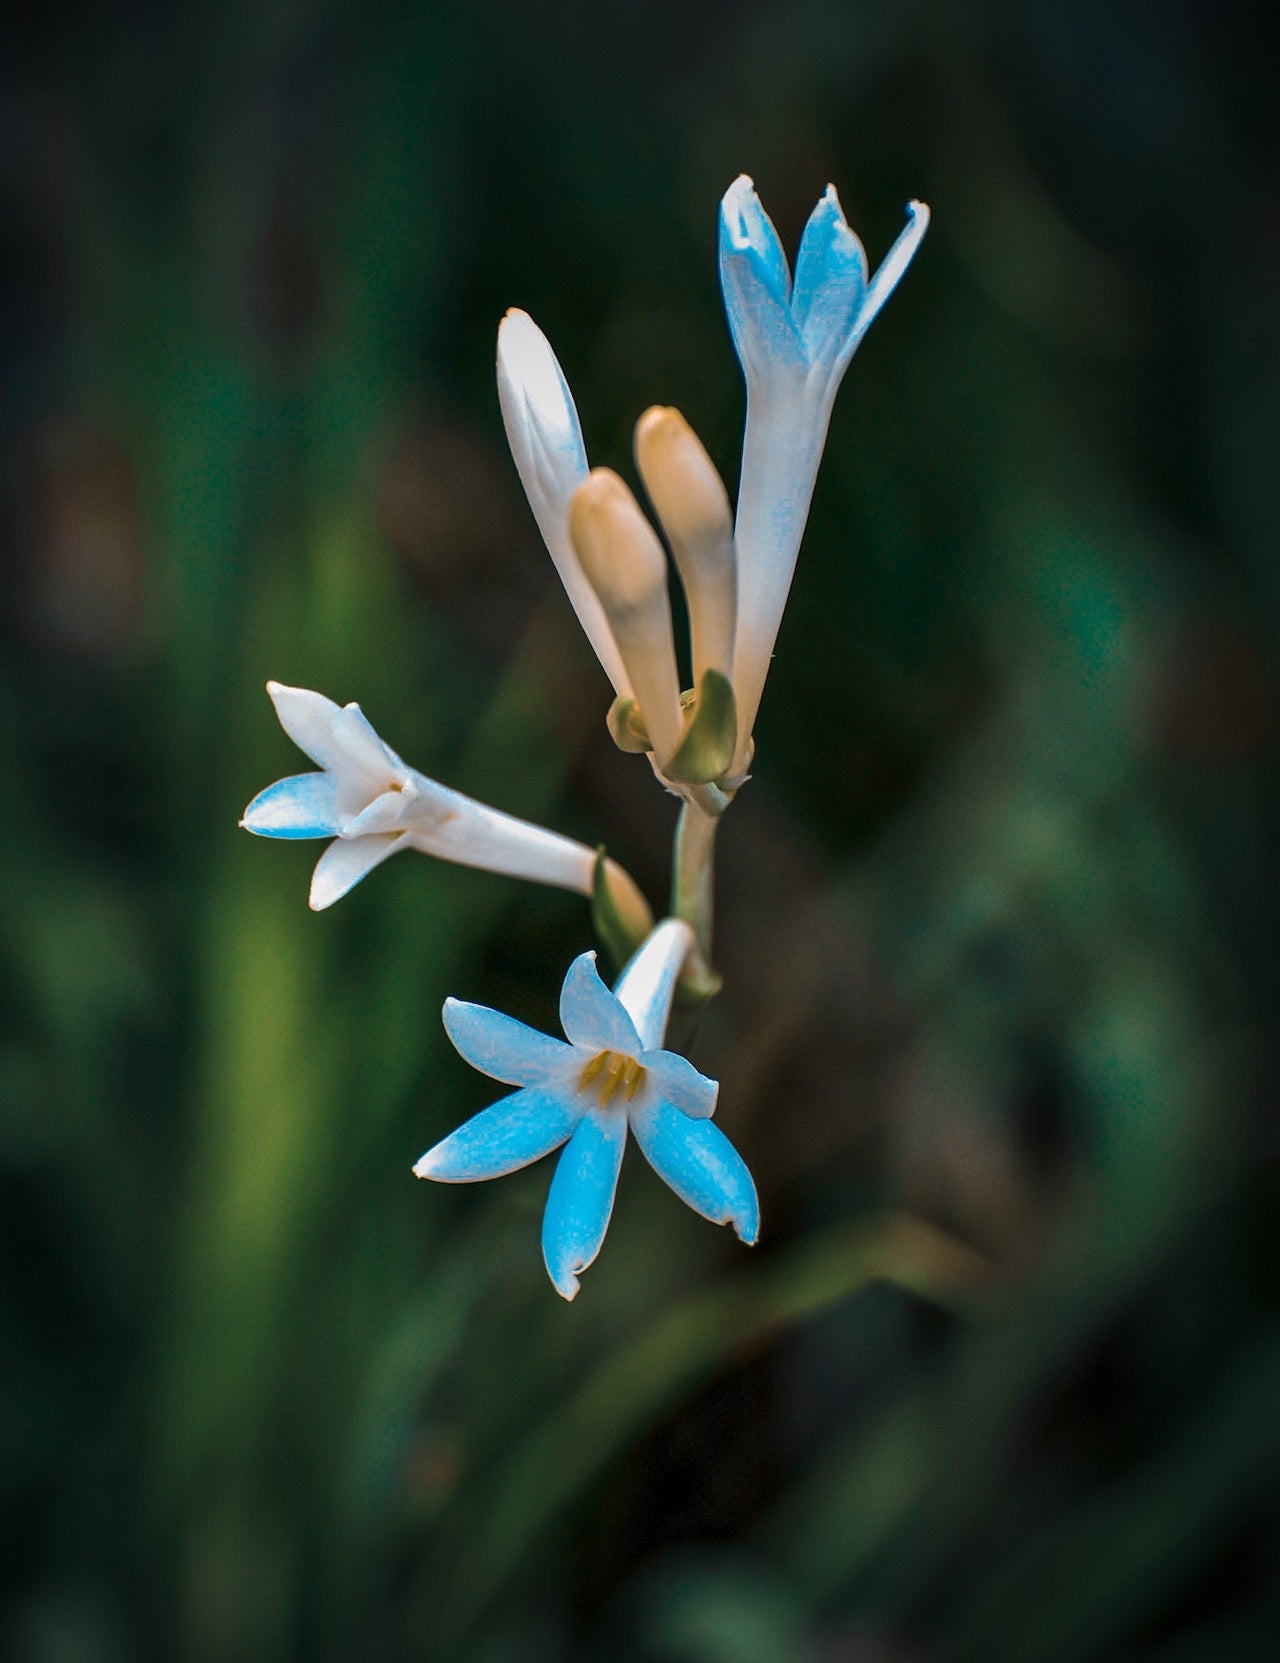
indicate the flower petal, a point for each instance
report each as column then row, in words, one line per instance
column 891, row 268
column 505, row 1049
column 307, row 718
column 747, row 231
column 304, row 805
column 390, row 811
column 831, row 281
column 345, row 862
column 581, row 1199
column 362, row 746
column 676, row 1079
column 756, row 286
column 590, row 1015
column 700, row 1164
column 512, row 1133
column 648, row 980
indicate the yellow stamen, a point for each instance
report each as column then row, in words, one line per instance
column 610, row 1072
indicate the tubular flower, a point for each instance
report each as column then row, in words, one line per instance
column 372, row 805
column 610, row 1075
column 794, row 341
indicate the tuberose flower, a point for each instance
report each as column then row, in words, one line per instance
column 372, row 805
column 794, row 341
column 610, row 1075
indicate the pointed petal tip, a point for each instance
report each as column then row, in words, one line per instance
column 422, row 1168
column 747, row 1229
column 519, row 334
column 567, row 1286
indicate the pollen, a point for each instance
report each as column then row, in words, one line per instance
column 609, row 1072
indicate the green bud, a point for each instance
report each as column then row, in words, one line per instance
column 619, row 912
column 626, row 725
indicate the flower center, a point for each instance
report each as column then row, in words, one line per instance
column 610, row 1072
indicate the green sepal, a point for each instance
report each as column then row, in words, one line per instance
column 707, row 748
column 626, row 725
column 619, row 935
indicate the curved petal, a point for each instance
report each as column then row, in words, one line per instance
column 505, row 1049
column 700, row 1164
column 831, row 280
column 648, row 981
column 307, row 718
column 676, row 1079
column 581, row 1199
column 513, row 1132
column 590, row 1015
column 891, row 268
column 304, row 805
column 345, row 862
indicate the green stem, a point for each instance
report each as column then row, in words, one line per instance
column 694, row 890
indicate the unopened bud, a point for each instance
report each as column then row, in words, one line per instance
column 625, row 565
column 693, row 506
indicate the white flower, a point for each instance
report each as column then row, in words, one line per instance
column 794, row 341
column 612, row 1074
column 372, row 804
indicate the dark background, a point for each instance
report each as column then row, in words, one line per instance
column 1001, row 1384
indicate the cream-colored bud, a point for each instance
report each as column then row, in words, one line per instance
column 625, row 565
column 690, row 500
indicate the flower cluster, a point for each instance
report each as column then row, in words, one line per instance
column 794, row 339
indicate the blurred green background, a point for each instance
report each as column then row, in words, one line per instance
column 999, row 922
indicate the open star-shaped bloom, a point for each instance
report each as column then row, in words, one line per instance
column 372, row 805
column 610, row 1073
column 794, row 341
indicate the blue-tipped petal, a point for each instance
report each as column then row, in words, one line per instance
column 304, row 805
column 700, row 1164
column 512, row 1133
column 590, row 1015
column 345, row 862
column 581, row 1198
column 831, row 280
column 676, row 1079
column 505, row 1049
column 747, row 233
column 756, row 284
